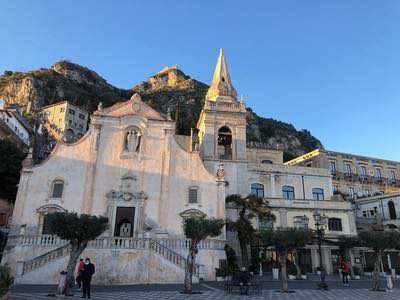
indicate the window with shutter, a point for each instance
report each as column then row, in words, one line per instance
column 58, row 187
column 193, row 195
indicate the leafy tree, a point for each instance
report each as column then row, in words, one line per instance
column 198, row 229
column 286, row 240
column 248, row 208
column 379, row 242
column 11, row 158
column 78, row 230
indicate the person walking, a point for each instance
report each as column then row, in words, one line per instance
column 87, row 273
column 345, row 273
column 79, row 270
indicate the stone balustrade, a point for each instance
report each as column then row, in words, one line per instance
column 40, row 239
column 42, row 260
column 211, row 244
column 114, row 242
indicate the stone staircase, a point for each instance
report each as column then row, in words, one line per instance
column 158, row 247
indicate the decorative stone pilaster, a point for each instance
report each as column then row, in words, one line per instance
column 272, row 181
column 91, row 170
column 283, row 217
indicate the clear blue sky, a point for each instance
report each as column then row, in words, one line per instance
column 332, row 67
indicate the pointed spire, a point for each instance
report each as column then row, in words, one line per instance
column 221, row 84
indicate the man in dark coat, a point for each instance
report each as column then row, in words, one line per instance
column 87, row 273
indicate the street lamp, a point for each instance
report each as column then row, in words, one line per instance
column 320, row 223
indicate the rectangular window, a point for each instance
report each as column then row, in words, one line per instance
column 257, row 189
column 318, row 194
column 365, row 214
column 351, row 192
column 335, row 224
column 82, row 116
column 363, row 172
column 288, row 192
column 378, row 173
column 3, row 219
column 57, row 190
column 193, row 195
column 71, row 111
column 348, row 169
column 62, row 109
column 332, row 167
column 393, row 175
column 335, row 189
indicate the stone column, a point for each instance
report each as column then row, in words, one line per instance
column 272, row 180
column 314, row 258
column 352, row 221
column 165, row 169
column 327, row 259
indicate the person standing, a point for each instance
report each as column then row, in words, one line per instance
column 345, row 273
column 87, row 273
column 79, row 270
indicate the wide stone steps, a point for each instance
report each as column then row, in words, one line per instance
column 158, row 247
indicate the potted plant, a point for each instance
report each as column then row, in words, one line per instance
column 220, row 274
column 303, row 274
column 292, row 271
column 319, row 270
column 357, row 273
column 275, row 270
column 368, row 271
column 6, row 281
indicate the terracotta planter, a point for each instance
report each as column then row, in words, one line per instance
column 275, row 273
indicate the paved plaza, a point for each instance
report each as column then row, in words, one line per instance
column 212, row 290
column 334, row 294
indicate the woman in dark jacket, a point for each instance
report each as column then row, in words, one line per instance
column 87, row 273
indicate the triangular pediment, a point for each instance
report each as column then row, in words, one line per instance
column 134, row 106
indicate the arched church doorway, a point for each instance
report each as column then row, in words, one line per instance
column 124, row 221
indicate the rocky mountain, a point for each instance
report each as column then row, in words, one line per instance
column 169, row 89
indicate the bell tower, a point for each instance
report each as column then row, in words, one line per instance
column 222, row 123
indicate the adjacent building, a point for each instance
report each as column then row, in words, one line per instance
column 354, row 176
column 132, row 167
column 14, row 125
column 64, row 120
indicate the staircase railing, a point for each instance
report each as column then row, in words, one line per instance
column 168, row 254
column 44, row 259
column 161, row 247
column 171, row 255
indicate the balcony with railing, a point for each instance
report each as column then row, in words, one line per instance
column 366, row 179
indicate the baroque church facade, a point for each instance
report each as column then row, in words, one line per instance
column 132, row 168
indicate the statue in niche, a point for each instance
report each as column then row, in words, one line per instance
column 221, row 171
column 125, row 229
column 132, row 141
